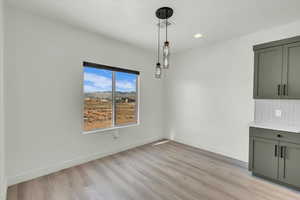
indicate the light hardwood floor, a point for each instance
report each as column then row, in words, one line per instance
column 169, row 171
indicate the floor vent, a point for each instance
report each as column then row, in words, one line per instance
column 161, row 142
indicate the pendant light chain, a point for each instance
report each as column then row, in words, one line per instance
column 158, row 42
column 167, row 29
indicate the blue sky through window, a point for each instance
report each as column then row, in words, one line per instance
column 100, row 80
column 125, row 82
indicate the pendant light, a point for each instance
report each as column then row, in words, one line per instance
column 158, row 70
column 163, row 13
column 166, row 50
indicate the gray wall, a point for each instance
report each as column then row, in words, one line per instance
column 43, row 72
column 2, row 153
column 209, row 93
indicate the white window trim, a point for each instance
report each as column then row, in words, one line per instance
column 110, row 129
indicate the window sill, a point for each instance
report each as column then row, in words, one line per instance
column 108, row 130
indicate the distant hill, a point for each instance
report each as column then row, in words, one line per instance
column 106, row 94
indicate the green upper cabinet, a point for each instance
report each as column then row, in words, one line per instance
column 277, row 69
column 291, row 71
column 268, row 70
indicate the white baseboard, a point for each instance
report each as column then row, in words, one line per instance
column 25, row 176
column 217, row 154
column 3, row 190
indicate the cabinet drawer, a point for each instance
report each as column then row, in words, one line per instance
column 275, row 135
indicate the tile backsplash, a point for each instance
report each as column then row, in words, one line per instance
column 265, row 112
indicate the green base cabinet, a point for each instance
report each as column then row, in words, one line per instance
column 289, row 164
column 265, row 160
column 277, row 69
column 275, row 155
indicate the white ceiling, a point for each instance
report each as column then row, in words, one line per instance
column 133, row 21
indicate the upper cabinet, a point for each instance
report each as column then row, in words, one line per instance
column 277, row 69
column 291, row 71
column 268, row 71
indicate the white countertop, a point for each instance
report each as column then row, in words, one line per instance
column 279, row 127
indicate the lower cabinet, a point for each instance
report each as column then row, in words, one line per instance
column 265, row 157
column 289, row 163
column 275, row 155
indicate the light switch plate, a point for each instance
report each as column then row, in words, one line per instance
column 278, row 113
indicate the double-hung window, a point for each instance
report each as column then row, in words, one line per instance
column 110, row 97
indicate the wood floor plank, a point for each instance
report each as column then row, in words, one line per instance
column 133, row 185
column 168, row 171
column 221, row 171
column 193, row 189
column 195, row 179
column 254, row 184
column 146, row 182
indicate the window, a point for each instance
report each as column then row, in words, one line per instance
column 110, row 97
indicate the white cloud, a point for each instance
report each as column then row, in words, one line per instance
column 89, row 88
column 125, row 86
column 96, row 83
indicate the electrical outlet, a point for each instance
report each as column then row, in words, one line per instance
column 278, row 113
column 116, row 134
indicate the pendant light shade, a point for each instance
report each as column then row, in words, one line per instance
column 166, row 55
column 158, row 71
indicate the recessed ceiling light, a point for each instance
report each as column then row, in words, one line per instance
column 198, row 35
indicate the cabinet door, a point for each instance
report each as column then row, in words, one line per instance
column 289, row 164
column 267, row 73
column 265, row 157
column 291, row 71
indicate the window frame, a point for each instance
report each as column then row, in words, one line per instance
column 137, row 104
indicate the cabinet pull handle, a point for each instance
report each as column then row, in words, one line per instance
column 278, row 89
column 284, row 163
column 276, row 148
column 284, row 90
column 281, row 152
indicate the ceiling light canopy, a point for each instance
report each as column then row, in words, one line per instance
column 163, row 13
